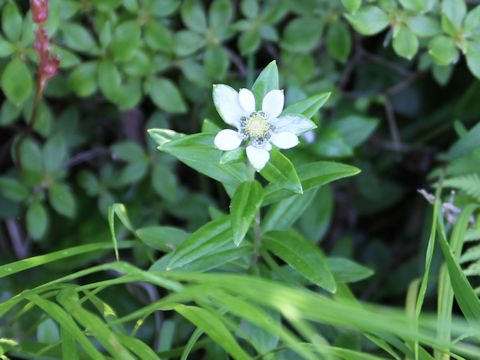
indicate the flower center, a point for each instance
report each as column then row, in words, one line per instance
column 256, row 125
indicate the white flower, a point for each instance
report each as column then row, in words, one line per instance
column 260, row 128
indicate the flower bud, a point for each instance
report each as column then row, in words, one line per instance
column 39, row 11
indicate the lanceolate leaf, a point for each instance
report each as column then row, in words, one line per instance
column 198, row 151
column 280, row 171
column 245, row 204
column 311, row 175
column 213, row 237
column 211, row 324
column 266, row 81
column 302, row 255
column 307, row 107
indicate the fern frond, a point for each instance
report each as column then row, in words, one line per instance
column 468, row 183
column 472, row 254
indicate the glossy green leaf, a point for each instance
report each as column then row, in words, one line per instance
column 220, row 14
column 61, row 199
column 69, row 300
column 405, row 42
column 472, row 20
column 355, row 129
column 17, row 83
column 352, row 5
column 347, row 271
column 187, row 42
column 47, row 332
column 311, row 175
column 165, row 95
column 34, row 261
column 37, row 220
column 109, row 80
column 6, row 48
column 13, row 189
column 442, row 49
column 249, row 41
column 126, row 40
column 78, row 38
column 302, row 34
column 283, row 214
column 158, row 37
column 412, row 5
column 424, row 26
column 473, row 57
column 83, row 79
column 216, row 61
column 199, row 152
column 163, row 238
column 339, row 41
column 211, row 324
column 309, row 106
column 266, row 81
column 280, row 171
column 11, row 21
column 465, row 144
column 246, row 202
column 193, row 15
column 213, row 237
column 302, row 255
column 369, row 20
column 464, row 293
column 455, row 11
column 54, row 153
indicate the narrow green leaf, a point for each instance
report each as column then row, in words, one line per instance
column 280, row 171
column 69, row 300
column 21, row 265
column 309, row 106
column 210, row 238
column 66, row 321
column 163, row 238
column 464, row 294
column 311, row 175
column 347, row 271
column 465, row 144
column 69, row 345
column 302, row 255
column 246, row 202
column 266, row 81
column 283, row 214
column 212, row 325
column 198, row 151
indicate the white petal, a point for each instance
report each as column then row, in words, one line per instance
column 267, row 146
column 295, row 124
column 258, row 157
column 227, row 104
column 284, row 140
column 247, row 100
column 272, row 103
column 228, row 140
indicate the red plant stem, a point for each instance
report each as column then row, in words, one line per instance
column 31, row 124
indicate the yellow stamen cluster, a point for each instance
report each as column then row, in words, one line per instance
column 256, row 125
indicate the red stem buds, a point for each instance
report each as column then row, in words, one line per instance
column 39, row 11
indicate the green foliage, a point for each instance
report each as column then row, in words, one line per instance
column 208, row 256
